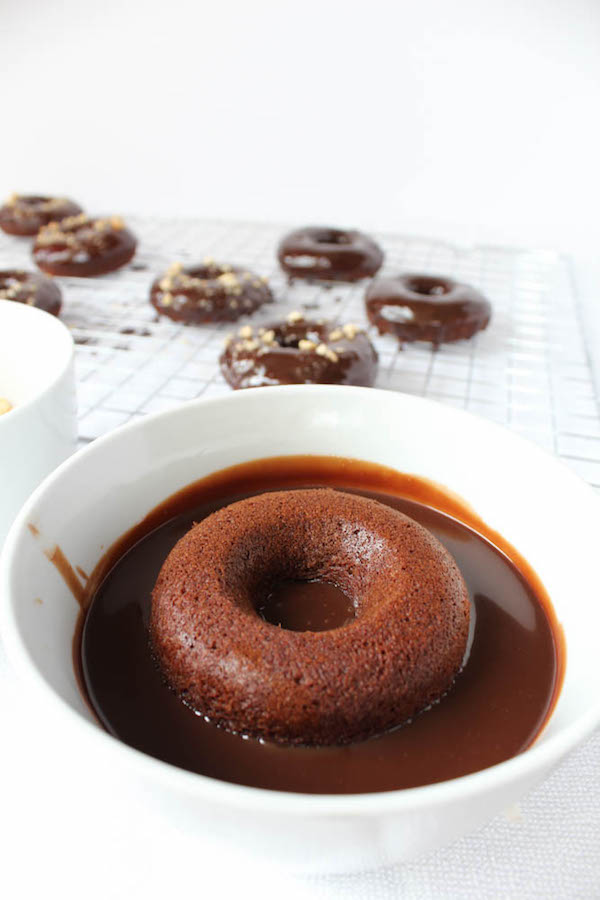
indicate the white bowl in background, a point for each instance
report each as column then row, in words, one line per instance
column 36, row 377
column 544, row 510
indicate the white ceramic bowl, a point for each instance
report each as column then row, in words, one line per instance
column 534, row 501
column 36, row 376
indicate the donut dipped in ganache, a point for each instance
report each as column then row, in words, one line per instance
column 426, row 308
column 329, row 254
column 25, row 214
column 399, row 654
column 210, row 292
column 298, row 351
column 30, row 288
column 81, row 246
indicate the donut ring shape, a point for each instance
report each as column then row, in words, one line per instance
column 81, row 246
column 329, row 254
column 211, row 292
column 418, row 307
column 25, row 214
column 298, row 351
column 30, row 288
column 400, row 653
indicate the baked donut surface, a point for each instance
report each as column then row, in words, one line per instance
column 329, row 254
column 299, row 351
column 399, row 654
column 24, row 214
column 210, row 292
column 30, row 288
column 430, row 308
column 81, row 246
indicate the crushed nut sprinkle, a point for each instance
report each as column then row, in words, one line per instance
column 336, row 335
column 64, row 231
column 327, row 352
column 268, row 337
column 294, row 316
column 230, row 283
column 5, row 406
column 350, row 330
column 245, row 331
column 306, row 344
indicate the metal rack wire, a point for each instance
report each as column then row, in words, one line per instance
column 529, row 370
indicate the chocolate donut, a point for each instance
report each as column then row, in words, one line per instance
column 329, row 254
column 298, row 351
column 30, row 288
column 211, row 292
column 82, row 247
column 398, row 655
column 426, row 308
column 24, row 214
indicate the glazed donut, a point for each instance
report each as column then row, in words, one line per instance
column 211, row 292
column 399, row 654
column 426, row 308
column 24, row 214
column 30, row 288
column 298, row 351
column 83, row 247
column 329, row 254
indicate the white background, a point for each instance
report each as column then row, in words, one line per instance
column 467, row 119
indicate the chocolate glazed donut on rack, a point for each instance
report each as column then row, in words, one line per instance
column 30, row 288
column 83, row 247
column 25, row 214
column 299, row 351
column 329, row 254
column 418, row 307
column 210, row 292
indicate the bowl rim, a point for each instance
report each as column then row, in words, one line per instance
column 52, row 322
column 536, row 759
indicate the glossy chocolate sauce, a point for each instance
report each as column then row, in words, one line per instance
column 496, row 708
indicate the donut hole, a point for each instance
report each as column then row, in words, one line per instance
column 31, row 200
column 331, row 236
column 289, row 336
column 429, row 287
column 301, row 605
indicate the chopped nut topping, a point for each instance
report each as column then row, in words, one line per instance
column 229, row 281
column 12, row 200
column 245, row 331
column 327, row 352
column 167, row 299
column 117, row 223
column 305, row 344
column 175, row 268
column 250, row 346
column 227, row 340
column 268, row 337
column 294, row 317
column 5, row 406
column 336, row 335
column 350, row 330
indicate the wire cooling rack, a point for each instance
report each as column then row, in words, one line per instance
column 529, row 370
